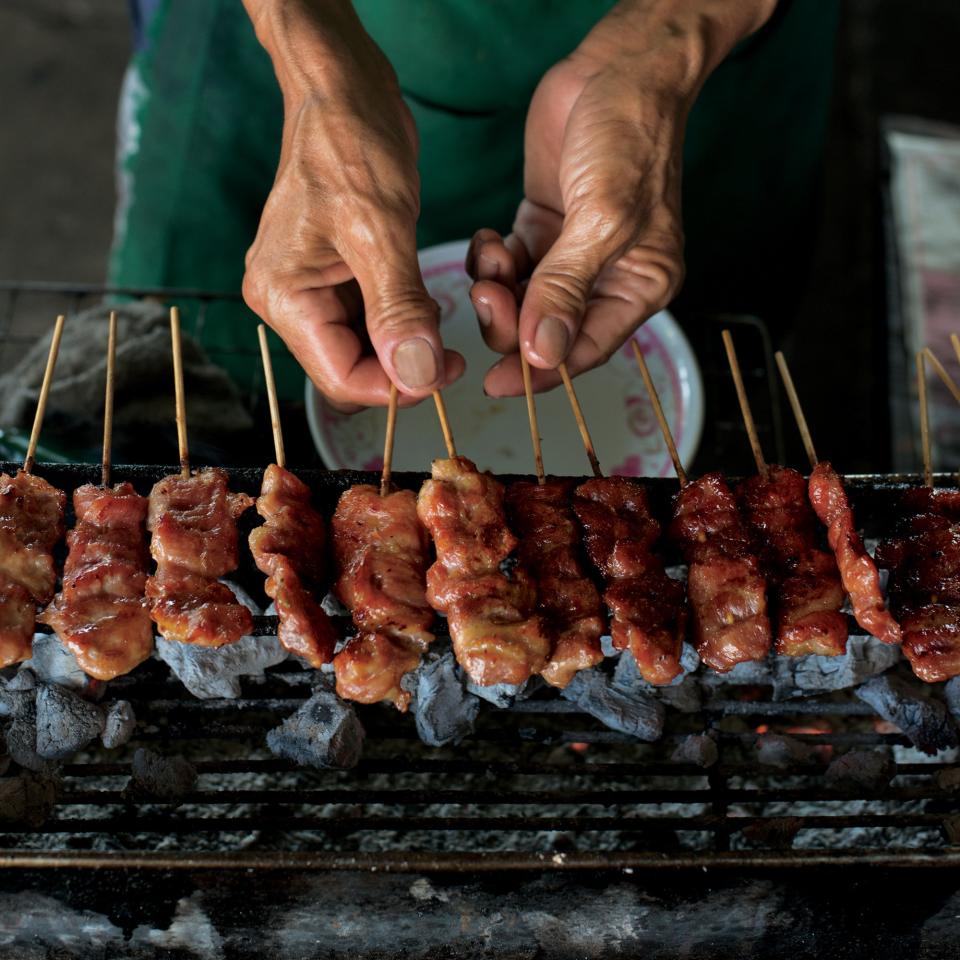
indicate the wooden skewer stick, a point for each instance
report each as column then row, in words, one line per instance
column 444, row 424
column 955, row 340
column 658, row 412
column 272, row 397
column 745, row 411
column 532, row 417
column 28, row 460
column 794, row 399
column 108, row 402
column 178, row 393
column 924, row 420
column 388, row 441
column 581, row 423
column 941, row 372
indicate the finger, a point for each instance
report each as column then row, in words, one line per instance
column 488, row 258
column 402, row 318
column 497, row 311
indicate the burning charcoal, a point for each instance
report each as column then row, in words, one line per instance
column 749, row 673
column 774, row 750
column 631, row 711
column 698, row 749
column 607, row 648
column 52, row 662
column 210, row 673
column 119, row 724
column 502, row 695
column 324, row 732
column 21, row 737
column 445, row 710
column 951, row 693
column 25, row 679
column 65, row 722
column 16, row 698
column 27, row 799
column 776, row 832
column 861, row 770
column 809, row 676
column 153, row 776
column 683, row 694
column 925, row 722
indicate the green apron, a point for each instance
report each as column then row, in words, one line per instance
column 201, row 120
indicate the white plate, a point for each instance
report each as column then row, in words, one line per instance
column 495, row 433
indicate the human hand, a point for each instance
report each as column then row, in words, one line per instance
column 597, row 243
column 333, row 268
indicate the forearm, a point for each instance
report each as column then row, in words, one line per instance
column 679, row 42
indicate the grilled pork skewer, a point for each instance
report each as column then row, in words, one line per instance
column 100, row 613
column 193, row 522
column 31, row 525
column 290, row 547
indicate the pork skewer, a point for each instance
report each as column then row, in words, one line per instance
column 805, row 589
column 31, row 525
column 924, row 563
column 290, row 546
column 550, row 549
column 100, row 614
column 858, row 572
column 498, row 637
column 725, row 589
column 382, row 557
column 193, row 522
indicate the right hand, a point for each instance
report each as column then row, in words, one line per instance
column 333, row 269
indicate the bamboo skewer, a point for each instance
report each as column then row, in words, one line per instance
column 745, row 411
column 178, row 393
column 271, row 397
column 658, row 412
column 794, row 399
column 924, row 420
column 942, row 373
column 105, row 456
column 532, row 417
column 955, row 340
column 581, row 423
column 28, row 460
column 444, row 424
column 388, row 441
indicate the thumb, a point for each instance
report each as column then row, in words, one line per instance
column 561, row 286
column 401, row 317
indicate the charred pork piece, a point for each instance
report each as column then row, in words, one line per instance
column 647, row 609
column 290, row 548
column 101, row 613
column 31, row 525
column 195, row 542
column 382, row 552
column 550, row 549
column 725, row 585
column 498, row 637
column 858, row 572
column 924, row 564
column 806, row 592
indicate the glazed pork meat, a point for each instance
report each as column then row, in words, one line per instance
column 193, row 522
column 551, row 550
column 382, row 554
column 31, row 525
column 497, row 634
column 647, row 608
column 290, row 548
column 101, row 614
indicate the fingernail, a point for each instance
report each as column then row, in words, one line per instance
column 415, row 363
column 484, row 313
column 488, row 268
column 550, row 340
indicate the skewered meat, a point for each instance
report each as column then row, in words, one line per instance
column 382, row 556
column 290, row 549
column 100, row 612
column 725, row 585
column 195, row 541
column 568, row 600
column 857, row 569
column 647, row 610
column 924, row 589
column 31, row 524
column 805, row 584
column 497, row 635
